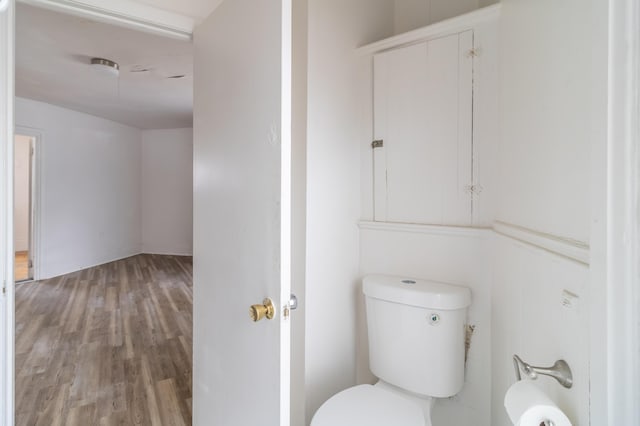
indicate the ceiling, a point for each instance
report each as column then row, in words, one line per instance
column 53, row 54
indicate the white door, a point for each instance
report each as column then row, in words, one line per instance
column 241, row 213
column 6, row 211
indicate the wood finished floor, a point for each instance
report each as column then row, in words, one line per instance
column 21, row 268
column 110, row 345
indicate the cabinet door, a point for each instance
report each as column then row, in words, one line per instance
column 423, row 98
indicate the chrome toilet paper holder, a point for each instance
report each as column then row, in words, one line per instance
column 559, row 371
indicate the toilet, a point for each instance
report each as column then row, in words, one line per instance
column 416, row 334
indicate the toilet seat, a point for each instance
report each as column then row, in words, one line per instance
column 367, row 405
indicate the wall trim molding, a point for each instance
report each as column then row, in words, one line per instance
column 137, row 16
column 445, row 230
column 453, row 25
column 573, row 249
column 578, row 251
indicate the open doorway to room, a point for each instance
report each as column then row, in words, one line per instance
column 24, row 206
column 103, row 331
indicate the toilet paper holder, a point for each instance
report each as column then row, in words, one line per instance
column 559, row 371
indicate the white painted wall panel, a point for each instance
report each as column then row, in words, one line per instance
column 90, row 208
column 412, row 14
column 549, row 93
column 528, row 319
column 546, row 86
column 167, row 191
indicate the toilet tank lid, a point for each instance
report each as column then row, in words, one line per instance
column 416, row 292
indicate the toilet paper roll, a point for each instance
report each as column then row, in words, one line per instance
column 527, row 405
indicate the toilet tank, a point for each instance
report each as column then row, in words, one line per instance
column 416, row 332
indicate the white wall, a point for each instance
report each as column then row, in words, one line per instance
column 549, row 90
column 412, row 14
column 546, row 100
column 21, row 194
column 167, row 191
column 337, row 119
column 528, row 319
column 90, row 208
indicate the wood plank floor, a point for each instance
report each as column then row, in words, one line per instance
column 110, row 345
column 21, row 269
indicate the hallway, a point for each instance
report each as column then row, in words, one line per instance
column 107, row 345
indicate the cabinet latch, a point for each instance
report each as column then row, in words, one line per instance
column 378, row 143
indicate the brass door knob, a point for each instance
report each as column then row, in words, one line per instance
column 257, row 312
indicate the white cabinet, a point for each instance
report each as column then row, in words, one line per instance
column 423, row 114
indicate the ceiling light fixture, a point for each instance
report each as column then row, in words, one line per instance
column 106, row 66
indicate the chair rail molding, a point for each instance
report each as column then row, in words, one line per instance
column 566, row 247
column 445, row 230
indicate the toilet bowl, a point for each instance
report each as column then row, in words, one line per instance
column 416, row 349
column 374, row 405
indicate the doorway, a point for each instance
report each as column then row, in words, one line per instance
column 24, row 206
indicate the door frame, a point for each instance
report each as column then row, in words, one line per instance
column 35, row 199
column 615, row 373
column 7, row 132
column 615, row 233
column 7, row 308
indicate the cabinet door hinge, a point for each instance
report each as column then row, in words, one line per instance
column 473, row 190
column 473, row 52
column 378, row 143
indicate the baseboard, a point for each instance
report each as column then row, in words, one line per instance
column 168, row 253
